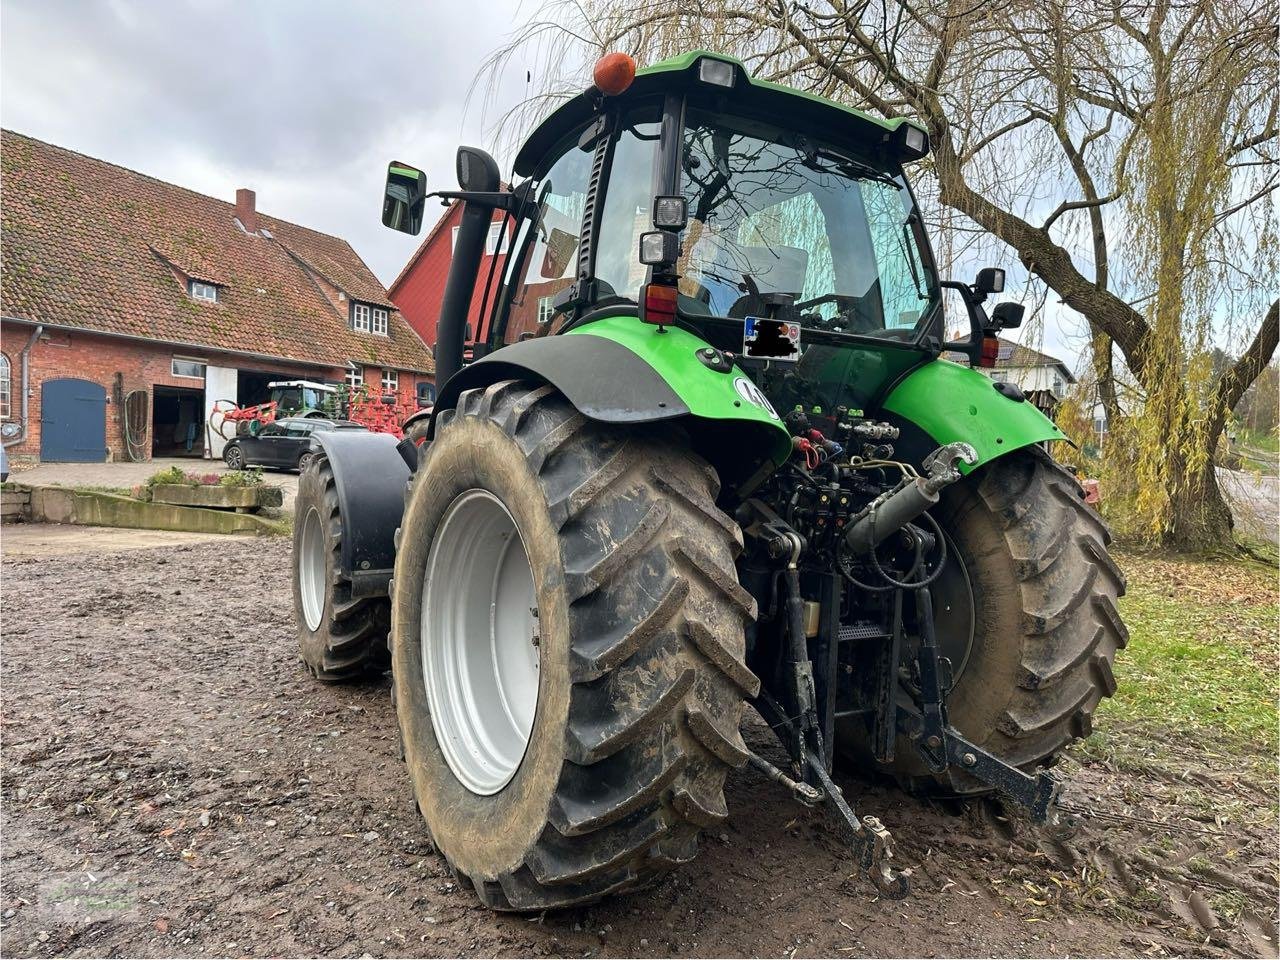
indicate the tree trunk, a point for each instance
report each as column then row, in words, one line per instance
column 1201, row 520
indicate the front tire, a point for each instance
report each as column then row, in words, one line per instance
column 233, row 456
column 340, row 637
column 639, row 631
column 1045, row 625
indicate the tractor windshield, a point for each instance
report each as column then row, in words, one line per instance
column 771, row 213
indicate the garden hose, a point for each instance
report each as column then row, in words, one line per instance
column 135, row 449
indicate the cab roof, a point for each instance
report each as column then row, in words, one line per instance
column 770, row 102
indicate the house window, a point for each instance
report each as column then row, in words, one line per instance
column 546, row 309
column 184, row 367
column 493, row 243
column 1059, row 386
column 360, row 316
column 390, row 381
column 203, row 291
column 1006, row 352
column 355, row 377
column 5, row 384
column 380, row 321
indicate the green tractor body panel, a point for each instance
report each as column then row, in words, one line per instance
column 950, row 402
column 709, row 394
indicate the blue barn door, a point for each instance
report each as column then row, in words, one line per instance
column 73, row 421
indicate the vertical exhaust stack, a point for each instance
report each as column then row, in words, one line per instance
column 477, row 173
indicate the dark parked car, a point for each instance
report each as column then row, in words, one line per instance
column 285, row 444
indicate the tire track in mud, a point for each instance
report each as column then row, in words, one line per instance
column 174, row 783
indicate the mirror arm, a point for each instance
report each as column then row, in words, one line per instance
column 977, row 321
column 495, row 200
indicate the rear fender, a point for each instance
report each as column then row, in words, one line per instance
column 370, row 476
column 620, row 370
column 949, row 402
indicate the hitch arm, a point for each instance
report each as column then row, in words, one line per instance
column 1036, row 793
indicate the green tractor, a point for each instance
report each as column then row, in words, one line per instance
column 705, row 454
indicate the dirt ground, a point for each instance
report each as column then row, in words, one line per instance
column 175, row 784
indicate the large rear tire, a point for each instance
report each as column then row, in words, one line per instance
column 340, row 637
column 638, row 628
column 1045, row 625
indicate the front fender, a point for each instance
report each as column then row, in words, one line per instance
column 950, row 402
column 620, row 370
column 369, row 477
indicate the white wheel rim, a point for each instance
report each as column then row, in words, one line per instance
column 479, row 642
column 311, row 569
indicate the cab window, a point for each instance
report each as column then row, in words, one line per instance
column 549, row 244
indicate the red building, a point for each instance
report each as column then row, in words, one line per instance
column 419, row 288
column 117, row 285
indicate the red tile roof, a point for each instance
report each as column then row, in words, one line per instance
column 92, row 245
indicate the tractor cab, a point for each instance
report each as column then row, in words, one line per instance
column 777, row 228
column 302, row 398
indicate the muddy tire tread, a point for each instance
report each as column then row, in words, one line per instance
column 645, row 763
column 355, row 629
column 1069, row 586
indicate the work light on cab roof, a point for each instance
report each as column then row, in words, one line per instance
column 695, row 445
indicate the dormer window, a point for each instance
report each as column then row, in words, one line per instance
column 368, row 319
column 200, row 290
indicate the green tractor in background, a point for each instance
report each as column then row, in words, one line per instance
column 706, row 455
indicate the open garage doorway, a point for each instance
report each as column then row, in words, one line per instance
column 253, row 387
column 177, row 422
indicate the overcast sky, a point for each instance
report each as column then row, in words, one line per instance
column 304, row 102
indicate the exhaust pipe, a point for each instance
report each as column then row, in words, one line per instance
column 477, row 172
column 890, row 512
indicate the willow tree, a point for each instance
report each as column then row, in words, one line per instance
column 1125, row 151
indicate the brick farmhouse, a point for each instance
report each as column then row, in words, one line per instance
column 117, row 284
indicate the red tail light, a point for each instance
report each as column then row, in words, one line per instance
column 990, row 350
column 658, row 304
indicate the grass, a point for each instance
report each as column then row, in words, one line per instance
column 1266, row 441
column 1258, row 451
column 1201, row 662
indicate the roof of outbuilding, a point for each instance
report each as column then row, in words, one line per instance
column 93, row 245
column 1020, row 355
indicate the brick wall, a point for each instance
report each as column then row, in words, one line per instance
column 142, row 365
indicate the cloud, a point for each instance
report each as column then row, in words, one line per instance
column 305, row 102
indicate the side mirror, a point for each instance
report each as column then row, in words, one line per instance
column 990, row 280
column 404, row 198
column 1007, row 315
